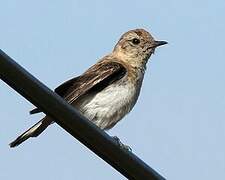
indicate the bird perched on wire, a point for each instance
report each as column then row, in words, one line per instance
column 109, row 89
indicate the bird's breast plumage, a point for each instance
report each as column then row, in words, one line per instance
column 107, row 107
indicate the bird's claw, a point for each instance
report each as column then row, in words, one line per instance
column 121, row 145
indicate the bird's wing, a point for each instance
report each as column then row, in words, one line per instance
column 95, row 78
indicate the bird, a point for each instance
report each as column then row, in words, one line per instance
column 109, row 89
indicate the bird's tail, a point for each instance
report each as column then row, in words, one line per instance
column 34, row 131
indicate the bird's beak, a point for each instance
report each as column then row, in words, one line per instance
column 159, row 43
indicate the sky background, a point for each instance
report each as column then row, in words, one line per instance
column 178, row 123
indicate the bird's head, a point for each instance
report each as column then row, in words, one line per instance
column 136, row 46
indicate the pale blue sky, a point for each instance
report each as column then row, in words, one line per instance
column 178, row 124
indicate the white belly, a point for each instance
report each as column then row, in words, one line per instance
column 110, row 105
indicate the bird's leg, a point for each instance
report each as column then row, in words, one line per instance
column 121, row 145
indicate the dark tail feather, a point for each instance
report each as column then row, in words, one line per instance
column 34, row 111
column 34, row 131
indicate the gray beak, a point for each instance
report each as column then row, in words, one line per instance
column 159, row 43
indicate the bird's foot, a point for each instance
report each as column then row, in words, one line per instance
column 121, row 145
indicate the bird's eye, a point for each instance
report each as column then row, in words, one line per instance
column 135, row 41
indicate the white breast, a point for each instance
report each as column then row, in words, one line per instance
column 110, row 105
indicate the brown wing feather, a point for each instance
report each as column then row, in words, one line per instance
column 95, row 78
